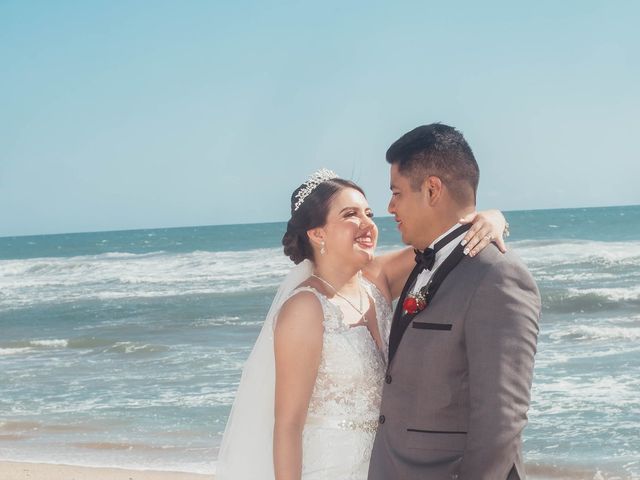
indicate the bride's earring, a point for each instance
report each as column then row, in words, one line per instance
column 322, row 249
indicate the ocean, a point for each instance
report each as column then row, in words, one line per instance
column 125, row 348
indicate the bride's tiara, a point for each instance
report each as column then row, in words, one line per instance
column 309, row 186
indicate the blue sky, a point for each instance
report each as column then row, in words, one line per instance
column 118, row 115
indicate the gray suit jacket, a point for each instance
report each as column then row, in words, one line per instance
column 457, row 389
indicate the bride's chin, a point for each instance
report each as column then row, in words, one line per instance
column 365, row 255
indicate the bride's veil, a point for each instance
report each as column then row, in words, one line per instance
column 246, row 452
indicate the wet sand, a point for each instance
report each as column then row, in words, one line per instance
column 45, row 471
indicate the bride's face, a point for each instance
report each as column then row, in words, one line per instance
column 350, row 233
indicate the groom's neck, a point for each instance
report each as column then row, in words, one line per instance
column 447, row 219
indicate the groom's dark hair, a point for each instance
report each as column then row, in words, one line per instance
column 438, row 150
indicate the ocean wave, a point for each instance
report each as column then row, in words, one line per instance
column 88, row 343
column 55, row 343
column 225, row 321
column 217, row 397
column 14, row 348
column 568, row 275
column 118, row 275
column 13, row 351
column 589, row 299
column 604, row 352
column 629, row 294
column 28, row 282
column 81, row 343
column 137, row 348
column 567, row 393
column 605, row 332
column 544, row 253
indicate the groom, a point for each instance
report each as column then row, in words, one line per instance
column 464, row 332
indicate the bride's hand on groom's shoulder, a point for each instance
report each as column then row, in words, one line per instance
column 488, row 226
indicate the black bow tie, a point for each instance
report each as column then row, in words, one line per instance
column 426, row 259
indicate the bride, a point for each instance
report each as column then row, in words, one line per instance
column 308, row 402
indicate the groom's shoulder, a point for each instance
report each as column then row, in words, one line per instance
column 505, row 284
column 494, row 263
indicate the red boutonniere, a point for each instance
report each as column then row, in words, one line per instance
column 414, row 303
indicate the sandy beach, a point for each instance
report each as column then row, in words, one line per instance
column 44, row 471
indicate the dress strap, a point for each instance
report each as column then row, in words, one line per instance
column 332, row 314
column 320, row 296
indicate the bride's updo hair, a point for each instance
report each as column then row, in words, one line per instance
column 311, row 214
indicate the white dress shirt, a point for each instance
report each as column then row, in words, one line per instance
column 423, row 277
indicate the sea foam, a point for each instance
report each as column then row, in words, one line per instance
column 110, row 276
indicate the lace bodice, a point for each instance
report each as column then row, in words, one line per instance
column 350, row 376
column 342, row 416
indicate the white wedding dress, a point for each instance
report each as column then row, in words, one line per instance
column 343, row 411
column 345, row 403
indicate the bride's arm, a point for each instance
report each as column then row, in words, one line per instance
column 298, row 347
column 392, row 269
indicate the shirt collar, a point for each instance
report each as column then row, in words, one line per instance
column 445, row 234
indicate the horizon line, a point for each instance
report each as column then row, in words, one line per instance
column 272, row 222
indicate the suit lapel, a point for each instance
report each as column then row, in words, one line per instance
column 443, row 270
column 400, row 321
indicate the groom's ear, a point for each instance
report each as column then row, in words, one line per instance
column 432, row 188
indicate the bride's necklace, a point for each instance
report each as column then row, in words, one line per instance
column 359, row 310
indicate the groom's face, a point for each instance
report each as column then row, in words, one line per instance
column 410, row 209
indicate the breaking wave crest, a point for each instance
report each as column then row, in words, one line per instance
column 28, row 282
column 81, row 343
